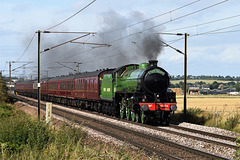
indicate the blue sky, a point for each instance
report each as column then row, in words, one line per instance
column 208, row 54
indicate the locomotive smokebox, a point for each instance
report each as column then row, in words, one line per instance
column 153, row 62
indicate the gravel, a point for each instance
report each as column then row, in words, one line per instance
column 208, row 147
column 209, row 129
column 204, row 146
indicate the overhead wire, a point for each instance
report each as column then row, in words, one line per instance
column 110, row 51
column 225, row 32
column 209, row 22
column 26, row 47
column 47, row 49
column 71, row 50
column 141, row 22
column 60, row 24
column 217, row 30
column 209, row 32
column 153, row 17
column 72, row 15
column 54, row 27
column 180, row 17
column 164, row 22
column 79, row 45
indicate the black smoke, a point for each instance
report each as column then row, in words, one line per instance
column 138, row 43
column 151, row 46
column 129, row 44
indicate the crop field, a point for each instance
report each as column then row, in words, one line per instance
column 212, row 103
column 220, row 111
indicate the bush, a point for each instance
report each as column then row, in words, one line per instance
column 237, row 153
column 3, row 89
column 231, row 122
column 6, row 110
column 23, row 138
column 19, row 132
column 193, row 115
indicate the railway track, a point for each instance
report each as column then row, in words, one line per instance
column 223, row 137
column 189, row 130
column 149, row 143
column 202, row 135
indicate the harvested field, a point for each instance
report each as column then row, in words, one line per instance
column 212, row 103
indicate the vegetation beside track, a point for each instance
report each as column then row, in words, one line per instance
column 3, row 89
column 22, row 137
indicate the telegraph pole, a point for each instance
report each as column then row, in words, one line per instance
column 10, row 71
column 39, row 74
column 185, row 76
column 185, row 67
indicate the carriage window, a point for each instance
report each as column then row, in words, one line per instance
column 82, row 85
column 91, row 84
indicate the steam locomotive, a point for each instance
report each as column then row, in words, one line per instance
column 135, row 92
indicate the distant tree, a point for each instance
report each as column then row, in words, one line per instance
column 3, row 89
column 237, row 86
column 228, row 78
column 214, row 85
column 181, row 84
column 231, row 83
column 201, row 83
column 177, row 85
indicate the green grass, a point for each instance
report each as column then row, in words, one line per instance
column 6, row 110
column 22, row 137
column 237, row 153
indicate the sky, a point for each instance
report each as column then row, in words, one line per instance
column 123, row 32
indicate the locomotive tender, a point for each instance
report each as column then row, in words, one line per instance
column 135, row 92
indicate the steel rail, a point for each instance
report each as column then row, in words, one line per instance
column 186, row 148
column 149, row 149
column 232, row 139
column 63, row 113
column 157, row 139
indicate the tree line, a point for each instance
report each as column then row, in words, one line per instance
column 203, row 77
column 214, row 85
column 3, row 89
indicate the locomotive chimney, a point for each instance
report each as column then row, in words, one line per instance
column 153, row 62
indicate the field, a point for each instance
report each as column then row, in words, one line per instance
column 212, row 103
column 220, row 111
column 199, row 80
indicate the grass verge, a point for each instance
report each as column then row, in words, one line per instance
column 22, row 137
